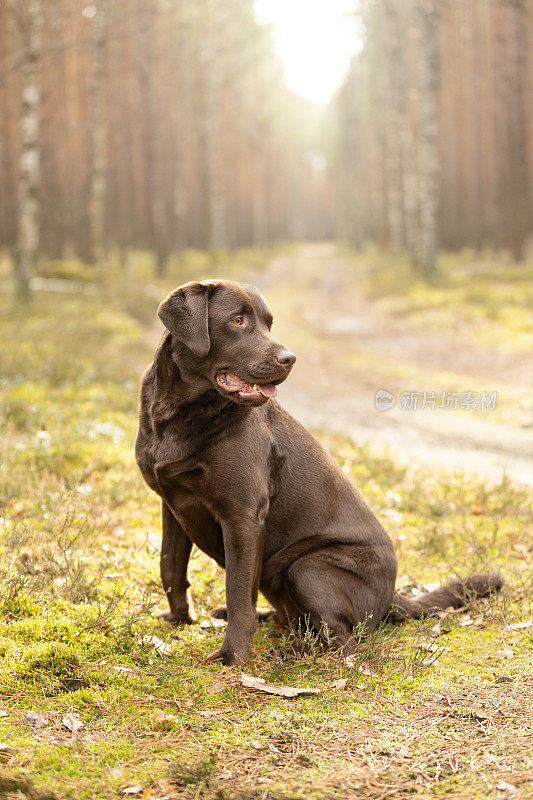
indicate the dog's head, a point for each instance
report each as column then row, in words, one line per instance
column 226, row 329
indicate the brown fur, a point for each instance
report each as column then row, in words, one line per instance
column 244, row 481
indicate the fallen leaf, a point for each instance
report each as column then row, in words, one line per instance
column 72, row 722
column 3, row 713
column 505, row 653
column 510, row 790
column 216, row 687
column 340, row 683
column 518, row 626
column 136, row 789
column 366, row 670
column 270, row 688
column 162, row 718
column 162, row 647
column 5, row 749
column 274, row 749
column 117, row 772
column 477, row 509
column 122, row 669
column 35, row 719
column 434, row 648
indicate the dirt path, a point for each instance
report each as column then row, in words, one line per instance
column 348, row 349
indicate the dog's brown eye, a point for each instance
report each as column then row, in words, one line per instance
column 238, row 321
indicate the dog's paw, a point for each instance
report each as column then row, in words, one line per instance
column 227, row 657
column 183, row 618
column 220, row 612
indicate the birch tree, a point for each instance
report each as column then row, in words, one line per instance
column 96, row 14
column 29, row 164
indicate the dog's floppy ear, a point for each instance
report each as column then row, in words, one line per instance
column 184, row 314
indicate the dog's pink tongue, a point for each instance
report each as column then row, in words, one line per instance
column 267, row 389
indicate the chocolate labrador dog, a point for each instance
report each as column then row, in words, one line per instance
column 245, row 482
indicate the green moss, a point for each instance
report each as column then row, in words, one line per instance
column 49, row 668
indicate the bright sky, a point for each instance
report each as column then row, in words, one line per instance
column 315, row 40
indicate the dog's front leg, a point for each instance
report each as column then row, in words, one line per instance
column 243, row 547
column 175, row 552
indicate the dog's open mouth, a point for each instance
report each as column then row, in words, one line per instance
column 231, row 383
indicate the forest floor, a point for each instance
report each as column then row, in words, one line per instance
column 100, row 699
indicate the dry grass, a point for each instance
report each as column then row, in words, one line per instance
column 458, row 744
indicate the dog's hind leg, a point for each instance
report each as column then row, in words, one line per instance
column 327, row 596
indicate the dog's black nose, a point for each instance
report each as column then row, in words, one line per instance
column 286, row 358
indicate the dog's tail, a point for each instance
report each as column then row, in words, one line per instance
column 452, row 595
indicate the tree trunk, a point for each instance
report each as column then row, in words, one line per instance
column 216, row 199
column 518, row 201
column 410, row 192
column 98, row 139
column 29, row 172
column 428, row 12
column 396, row 111
column 148, row 56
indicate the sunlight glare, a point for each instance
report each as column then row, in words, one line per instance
column 315, row 40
